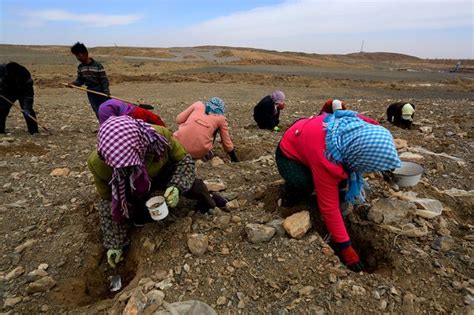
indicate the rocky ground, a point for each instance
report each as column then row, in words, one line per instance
column 244, row 260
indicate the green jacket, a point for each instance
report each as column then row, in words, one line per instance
column 103, row 173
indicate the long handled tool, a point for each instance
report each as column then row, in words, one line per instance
column 146, row 106
column 24, row 113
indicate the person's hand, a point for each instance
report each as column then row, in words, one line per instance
column 232, row 156
column 114, row 256
column 172, row 196
column 276, row 128
column 351, row 259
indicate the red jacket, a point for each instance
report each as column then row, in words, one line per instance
column 146, row 116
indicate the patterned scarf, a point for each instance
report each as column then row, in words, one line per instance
column 111, row 108
column 361, row 147
column 122, row 142
column 215, row 106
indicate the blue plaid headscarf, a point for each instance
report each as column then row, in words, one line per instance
column 215, row 106
column 361, row 147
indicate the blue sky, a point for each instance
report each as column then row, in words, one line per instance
column 425, row 28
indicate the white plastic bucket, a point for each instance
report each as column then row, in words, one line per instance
column 157, row 207
column 409, row 174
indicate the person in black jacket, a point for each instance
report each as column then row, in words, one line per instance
column 16, row 84
column 267, row 112
column 401, row 114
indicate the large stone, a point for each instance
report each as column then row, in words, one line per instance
column 15, row 273
column 37, row 274
column 430, row 207
column 278, row 225
column 257, row 233
column 297, row 224
column 19, row 249
column 155, row 297
column 136, row 304
column 215, row 185
column 64, row 171
column 408, row 306
column 42, row 285
column 12, row 301
column 198, row 244
column 391, row 211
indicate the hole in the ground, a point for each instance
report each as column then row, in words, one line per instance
column 369, row 242
column 91, row 283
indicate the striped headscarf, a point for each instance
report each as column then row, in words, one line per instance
column 215, row 106
column 122, row 142
column 360, row 147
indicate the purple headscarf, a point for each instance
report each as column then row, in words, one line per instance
column 278, row 97
column 113, row 107
column 122, row 142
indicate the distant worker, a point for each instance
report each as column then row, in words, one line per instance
column 198, row 126
column 329, row 154
column 112, row 108
column 330, row 106
column 401, row 114
column 267, row 112
column 16, row 84
column 92, row 74
column 333, row 105
column 132, row 160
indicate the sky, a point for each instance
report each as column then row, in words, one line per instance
column 423, row 28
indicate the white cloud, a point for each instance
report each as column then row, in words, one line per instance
column 88, row 20
column 311, row 25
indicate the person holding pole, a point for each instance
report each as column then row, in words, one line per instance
column 92, row 74
column 16, row 84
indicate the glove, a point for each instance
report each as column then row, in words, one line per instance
column 276, row 128
column 114, row 256
column 172, row 196
column 232, row 156
column 351, row 259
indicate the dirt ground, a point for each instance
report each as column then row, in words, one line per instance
column 52, row 219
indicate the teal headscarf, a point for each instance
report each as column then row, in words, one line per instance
column 215, row 106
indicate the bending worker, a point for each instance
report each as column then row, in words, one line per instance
column 133, row 159
column 322, row 153
column 16, row 84
column 198, row 126
column 267, row 112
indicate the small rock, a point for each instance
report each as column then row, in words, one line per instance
column 19, row 249
column 443, row 243
column 391, row 211
column 222, row 300
column 426, row 129
column 37, row 274
column 198, row 244
column 297, row 224
column 257, row 233
column 241, row 304
column 306, row 290
column 44, row 308
column 232, row 205
column 43, row 266
column 9, row 302
column 408, row 306
column 358, row 290
column 136, row 304
column 332, row 278
column 41, row 285
column 155, row 297
column 222, row 222
column 383, row 305
column 409, row 156
column 148, row 245
column 236, row 219
column 15, row 273
column 215, row 185
column 469, row 299
column 400, row 143
column 225, row 251
column 278, row 225
column 217, row 161
column 60, row 172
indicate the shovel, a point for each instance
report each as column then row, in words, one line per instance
column 144, row 106
column 29, row 116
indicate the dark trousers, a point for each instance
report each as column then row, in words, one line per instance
column 95, row 101
column 26, row 104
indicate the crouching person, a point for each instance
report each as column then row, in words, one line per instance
column 132, row 159
column 322, row 153
column 401, row 114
